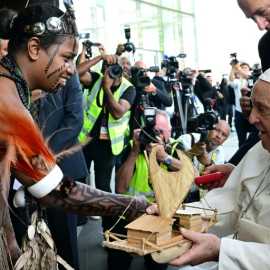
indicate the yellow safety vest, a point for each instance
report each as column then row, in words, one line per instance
column 117, row 128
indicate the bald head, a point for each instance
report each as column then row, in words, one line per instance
column 140, row 64
column 163, row 124
column 219, row 134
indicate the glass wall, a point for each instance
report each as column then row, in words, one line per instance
column 158, row 27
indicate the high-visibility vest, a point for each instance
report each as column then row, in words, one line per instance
column 139, row 184
column 116, row 127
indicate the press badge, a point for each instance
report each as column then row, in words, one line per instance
column 103, row 130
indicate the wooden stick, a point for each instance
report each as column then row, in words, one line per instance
column 115, row 238
column 152, row 245
column 197, row 207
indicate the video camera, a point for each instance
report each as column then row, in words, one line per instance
column 255, row 74
column 171, row 64
column 234, row 60
column 203, row 122
column 88, row 44
column 185, row 78
column 139, row 78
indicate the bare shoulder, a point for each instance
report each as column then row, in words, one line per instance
column 9, row 94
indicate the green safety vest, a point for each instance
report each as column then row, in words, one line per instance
column 139, row 184
column 117, row 128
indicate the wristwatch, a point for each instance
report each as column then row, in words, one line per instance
column 168, row 160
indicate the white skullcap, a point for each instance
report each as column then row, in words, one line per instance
column 265, row 76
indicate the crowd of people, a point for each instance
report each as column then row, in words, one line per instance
column 58, row 116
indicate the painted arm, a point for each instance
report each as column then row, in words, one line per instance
column 85, row 200
column 24, row 151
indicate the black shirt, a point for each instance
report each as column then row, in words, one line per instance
column 128, row 95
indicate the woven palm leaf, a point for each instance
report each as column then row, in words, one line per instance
column 170, row 188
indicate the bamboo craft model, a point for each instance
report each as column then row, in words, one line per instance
column 160, row 235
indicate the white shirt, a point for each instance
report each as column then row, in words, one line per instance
column 217, row 155
column 237, row 85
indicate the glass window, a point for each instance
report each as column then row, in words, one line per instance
column 157, row 27
column 189, row 42
column 187, row 6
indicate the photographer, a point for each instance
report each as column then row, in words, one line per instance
column 154, row 92
column 109, row 98
column 203, row 89
column 210, row 151
column 125, row 172
column 239, row 80
column 132, row 178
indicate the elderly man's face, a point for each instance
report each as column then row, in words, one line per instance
column 260, row 114
column 258, row 10
column 163, row 126
column 219, row 134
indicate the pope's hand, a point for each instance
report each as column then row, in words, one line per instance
column 205, row 248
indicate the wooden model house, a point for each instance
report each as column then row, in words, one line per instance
column 154, row 234
column 153, row 229
column 189, row 220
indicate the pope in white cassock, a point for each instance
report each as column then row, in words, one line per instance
column 241, row 238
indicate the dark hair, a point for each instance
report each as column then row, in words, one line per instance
column 15, row 28
column 263, row 47
column 6, row 16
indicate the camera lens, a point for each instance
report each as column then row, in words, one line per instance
column 129, row 47
column 115, row 71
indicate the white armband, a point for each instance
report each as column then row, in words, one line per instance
column 45, row 185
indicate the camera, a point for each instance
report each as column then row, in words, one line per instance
column 139, row 77
column 185, row 77
column 203, row 122
column 171, row 64
column 148, row 133
column 115, row 71
column 234, row 60
column 255, row 74
column 129, row 46
column 88, row 44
